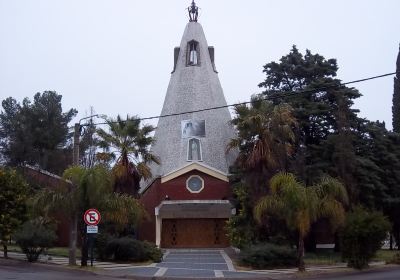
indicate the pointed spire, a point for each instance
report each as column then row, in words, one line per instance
column 193, row 12
column 194, row 85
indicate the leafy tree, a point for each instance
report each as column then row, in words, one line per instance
column 36, row 132
column 88, row 145
column 396, row 97
column 13, row 197
column 300, row 206
column 89, row 154
column 362, row 236
column 91, row 188
column 378, row 170
column 131, row 142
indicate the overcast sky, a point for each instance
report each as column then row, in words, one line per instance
column 117, row 55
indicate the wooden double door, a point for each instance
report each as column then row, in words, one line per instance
column 193, row 233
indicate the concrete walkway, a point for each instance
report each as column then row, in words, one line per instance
column 201, row 263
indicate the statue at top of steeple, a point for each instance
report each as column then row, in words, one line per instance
column 193, row 12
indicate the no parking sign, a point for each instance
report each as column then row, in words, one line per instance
column 92, row 217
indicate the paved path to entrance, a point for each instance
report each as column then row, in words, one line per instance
column 199, row 263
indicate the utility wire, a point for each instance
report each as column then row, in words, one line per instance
column 281, row 94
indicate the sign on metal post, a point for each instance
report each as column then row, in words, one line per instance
column 92, row 217
column 92, row 229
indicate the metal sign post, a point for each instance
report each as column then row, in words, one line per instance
column 91, row 237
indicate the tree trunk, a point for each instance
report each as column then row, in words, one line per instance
column 310, row 243
column 391, row 242
column 337, row 243
column 85, row 250
column 397, row 237
column 5, row 250
column 300, row 255
column 72, row 240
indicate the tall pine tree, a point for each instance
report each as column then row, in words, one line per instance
column 323, row 109
column 36, row 132
column 396, row 97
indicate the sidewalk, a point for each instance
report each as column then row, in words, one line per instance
column 176, row 270
column 64, row 261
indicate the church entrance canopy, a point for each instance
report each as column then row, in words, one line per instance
column 178, row 221
column 186, row 209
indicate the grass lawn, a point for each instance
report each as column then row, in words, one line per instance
column 322, row 257
column 385, row 255
column 63, row 251
column 56, row 251
column 329, row 257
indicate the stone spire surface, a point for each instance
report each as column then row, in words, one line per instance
column 201, row 136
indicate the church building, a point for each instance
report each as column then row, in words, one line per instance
column 188, row 197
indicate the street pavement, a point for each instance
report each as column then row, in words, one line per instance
column 21, row 270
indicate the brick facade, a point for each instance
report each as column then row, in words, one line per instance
column 175, row 189
column 48, row 180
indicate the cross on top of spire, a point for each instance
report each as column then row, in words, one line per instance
column 193, row 12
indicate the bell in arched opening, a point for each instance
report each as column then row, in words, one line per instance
column 193, row 58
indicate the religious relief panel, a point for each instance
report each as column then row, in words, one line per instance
column 193, row 128
column 194, row 150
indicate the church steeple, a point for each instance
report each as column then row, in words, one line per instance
column 191, row 182
column 199, row 137
column 193, row 12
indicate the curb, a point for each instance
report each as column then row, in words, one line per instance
column 347, row 272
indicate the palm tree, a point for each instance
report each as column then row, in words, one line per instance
column 265, row 140
column 83, row 189
column 131, row 143
column 265, row 133
column 300, row 206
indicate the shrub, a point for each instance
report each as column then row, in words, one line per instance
column 240, row 232
column 267, row 255
column 241, row 229
column 395, row 259
column 152, row 252
column 33, row 238
column 129, row 249
column 362, row 236
column 101, row 242
column 125, row 249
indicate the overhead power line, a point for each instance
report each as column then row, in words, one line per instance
column 281, row 95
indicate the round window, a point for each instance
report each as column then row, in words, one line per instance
column 195, row 184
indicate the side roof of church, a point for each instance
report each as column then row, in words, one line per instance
column 193, row 86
